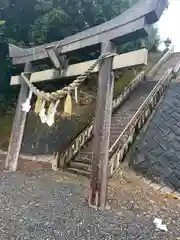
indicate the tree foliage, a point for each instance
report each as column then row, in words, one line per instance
column 33, row 22
column 38, row 21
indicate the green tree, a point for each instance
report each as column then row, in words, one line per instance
column 56, row 19
column 38, row 21
column 33, row 22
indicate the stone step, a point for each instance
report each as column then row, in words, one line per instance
column 123, row 115
column 84, row 160
column 79, row 172
column 81, row 166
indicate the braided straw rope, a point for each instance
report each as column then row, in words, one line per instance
column 54, row 96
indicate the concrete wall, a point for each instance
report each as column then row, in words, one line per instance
column 157, row 156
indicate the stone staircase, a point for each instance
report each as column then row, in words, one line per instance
column 81, row 163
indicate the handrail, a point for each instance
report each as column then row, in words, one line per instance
column 121, row 146
column 166, row 56
column 176, row 68
column 118, row 100
column 118, row 151
column 155, row 90
column 86, row 134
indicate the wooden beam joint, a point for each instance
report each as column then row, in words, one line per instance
column 59, row 61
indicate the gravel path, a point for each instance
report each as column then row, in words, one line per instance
column 42, row 205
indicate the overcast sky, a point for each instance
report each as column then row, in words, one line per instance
column 169, row 24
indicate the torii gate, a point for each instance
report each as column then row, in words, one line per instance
column 130, row 25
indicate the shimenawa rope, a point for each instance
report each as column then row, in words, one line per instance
column 54, row 97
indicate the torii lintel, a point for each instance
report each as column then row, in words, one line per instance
column 127, row 26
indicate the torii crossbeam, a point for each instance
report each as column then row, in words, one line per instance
column 130, row 25
column 133, row 23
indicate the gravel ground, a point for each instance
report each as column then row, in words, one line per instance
column 45, row 205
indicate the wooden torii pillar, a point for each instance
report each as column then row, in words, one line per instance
column 98, row 184
column 128, row 26
column 18, row 126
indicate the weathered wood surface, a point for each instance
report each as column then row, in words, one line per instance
column 18, row 126
column 98, row 184
column 130, row 59
column 131, row 24
column 53, row 57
